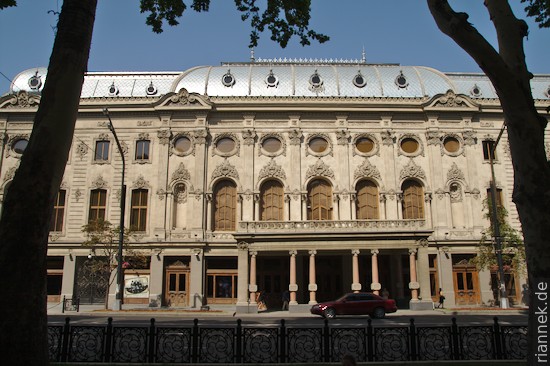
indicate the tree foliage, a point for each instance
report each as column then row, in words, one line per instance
column 540, row 10
column 7, row 3
column 102, row 238
column 283, row 18
column 513, row 249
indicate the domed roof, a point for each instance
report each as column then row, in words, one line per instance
column 283, row 78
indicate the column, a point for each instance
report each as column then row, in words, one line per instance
column 304, row 206
column 293, row 286
column 312, row 287
column 397, row 266
column 413, row 285
column 423, row 270
column 242, row 273
column 257, row 207
column 209, row 212
column 356, row 285
column 69, row 275
column 375, row 285
column 253, row 287
column 155, row 280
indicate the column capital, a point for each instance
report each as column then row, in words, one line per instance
column 242, row 245
column 312, row 252
column 422, row 242
column 374, row 251
column 355, row 251
column 412, row 251
column 253, row 253
column 293, row 253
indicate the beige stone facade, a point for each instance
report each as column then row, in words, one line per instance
column 279, row 176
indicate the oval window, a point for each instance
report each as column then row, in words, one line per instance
column 225, row 145
column 359, row 81
column 182, row 144
column 451, row 144
column 318, row 144
column 364, row 145
column 271, row 144
column 409, row 145
column 20, row 145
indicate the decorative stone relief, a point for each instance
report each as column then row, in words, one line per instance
column 295, row 137
column 433, row 138
column 10, row 173
column 342, row 137
column 470, row 137
column 180, row 195
column 411, row 170
column 124, row 147
column 455, row 173
column 144, row 123
column 200, row 136
column 183, row 97
column 475, row 193
column 388, row 137
column 99, row 183
column 455, row 192
column 81, row 150
column 506, row 148
column 140, row 183
column 161, row 193
column 449, row 100
column 23, row 99
column 249, row 136
column 77, row 194
column 427, row 197
column 296, row 195
column 272, row 170
column 143, row 136
column 164, row 136
column 440, row 193
column 547, row 148
column 367, row 170
column 225, row 169
column 103, row 137
column 422, row 242
column 12, row 139
column 319, row 169
column 180, row 174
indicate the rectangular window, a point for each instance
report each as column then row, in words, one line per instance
column 101, row 150
column 56, row 223
column 98, row 203
column 142, row 150
column 488, row 150
column 498, row 193
column 138, row 212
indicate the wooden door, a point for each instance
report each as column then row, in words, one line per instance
column 176, row 290
column 466, row 285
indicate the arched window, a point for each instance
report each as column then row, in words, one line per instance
column 225, row 206
column 413, row 200
column 98, row 202
column 271, row 201
column 319, row 200
column 138, row 211
column 367, row 200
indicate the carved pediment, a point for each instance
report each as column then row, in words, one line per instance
column 225, row 170
column 181, row 174
column 20, row 100
column 411, row 170
column 451, row 101
column 272, row 170
column 319, row 169
column 185, row 99
column 367, row 170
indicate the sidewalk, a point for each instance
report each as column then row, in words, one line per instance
column 229, row 310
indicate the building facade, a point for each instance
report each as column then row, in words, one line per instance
column 313, row 177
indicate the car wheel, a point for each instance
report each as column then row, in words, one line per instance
column 330, row 313
column 379, row 313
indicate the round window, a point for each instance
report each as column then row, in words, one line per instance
column 451, row 144
column 401, row 80
column 271, row 144
column 228, row 79
column 318, row 144
column 315, row 80
column 364, row 145
column 34, row 82
column 271, row 80
column 151, row 89
column 225, row 145
column 475, row 91
column 409, row 145
column 182, row 144
column 359, row 80
column 113, row 90
column 20, row 145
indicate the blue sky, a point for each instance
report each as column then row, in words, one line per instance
column 391, row 31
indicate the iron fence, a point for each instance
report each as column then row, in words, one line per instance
column 281, row 344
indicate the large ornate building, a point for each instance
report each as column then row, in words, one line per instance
column 316, row 177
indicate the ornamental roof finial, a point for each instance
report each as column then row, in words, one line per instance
column 363, row 55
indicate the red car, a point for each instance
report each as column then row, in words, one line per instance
column 360, row 303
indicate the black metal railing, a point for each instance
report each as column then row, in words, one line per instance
column 282, row 344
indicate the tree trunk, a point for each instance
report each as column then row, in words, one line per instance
column 25, row 221
column 508, row 73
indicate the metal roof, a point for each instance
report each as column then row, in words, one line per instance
column 285, row 79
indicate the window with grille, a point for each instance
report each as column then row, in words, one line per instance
column 319, row 205
column 101, row 150
column 138, row 210
column 413, row 200
column 56, row 223
column 367, row 200
column 98, row 202
column 271, row 201
column 225, row 206
column 142, row 149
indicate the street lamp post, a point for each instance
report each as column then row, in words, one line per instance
column 496, row 224
column 120, row 282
